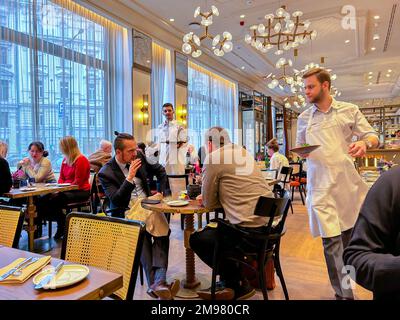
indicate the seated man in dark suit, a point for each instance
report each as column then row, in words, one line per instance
column 124, row 180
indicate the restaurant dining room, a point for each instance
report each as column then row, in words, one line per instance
column 200, row 150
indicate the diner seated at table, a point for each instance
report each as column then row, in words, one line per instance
column 374, row 248
column 37, row 166
column 5, row 174
column 101, row 156
column 75, row 169
column 232, row 181
column 38, row 169
column 125, row 182
column 277, row 160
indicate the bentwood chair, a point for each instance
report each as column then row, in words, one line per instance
column 11, row 221
column 111, row 244
column 258, row 245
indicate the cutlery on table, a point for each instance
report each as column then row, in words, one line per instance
column 46, row 280
column 11, row 271
column 18, row 272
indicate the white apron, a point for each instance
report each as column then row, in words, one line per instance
column 172, row 158
column 335, row 190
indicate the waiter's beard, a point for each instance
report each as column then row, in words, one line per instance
column 317, row 98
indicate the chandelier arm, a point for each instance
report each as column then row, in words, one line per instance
column 295, row 29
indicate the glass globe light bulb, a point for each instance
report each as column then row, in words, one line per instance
column 216, row 40
column 197, row 12
column 215, row 11
column 228, row 46
column 187, row 48
column 227, row 35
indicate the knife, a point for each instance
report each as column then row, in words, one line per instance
column 46, row 280
column 11, row 271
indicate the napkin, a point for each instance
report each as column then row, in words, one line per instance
column 26, row 272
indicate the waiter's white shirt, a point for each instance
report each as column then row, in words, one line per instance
column 349, row 114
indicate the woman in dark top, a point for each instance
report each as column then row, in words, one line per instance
column 5, row 174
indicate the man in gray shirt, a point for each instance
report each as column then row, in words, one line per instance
column 232, row 181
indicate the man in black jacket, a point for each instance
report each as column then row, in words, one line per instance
column 374, row 248
column 125, row 180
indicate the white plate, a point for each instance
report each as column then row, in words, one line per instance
column 177, row 203
column 63, row 184
column 27, row 189
column 67, row 276
column 51, row 185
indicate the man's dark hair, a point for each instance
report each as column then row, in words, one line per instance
column 119, row 140
column 142, row 146
column 168, row 104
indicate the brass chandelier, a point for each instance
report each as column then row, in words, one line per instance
column 285, row 80
column 220, row 44
column 280, row 30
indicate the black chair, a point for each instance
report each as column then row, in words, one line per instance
column 261, row 244
column 11, row 222
column 297, row 180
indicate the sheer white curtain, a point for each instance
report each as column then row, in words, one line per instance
column 212, row 102
column 64, row 70
column 162, row 83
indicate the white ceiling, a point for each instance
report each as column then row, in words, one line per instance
column 351, row 62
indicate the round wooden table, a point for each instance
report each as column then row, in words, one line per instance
column 194, row 207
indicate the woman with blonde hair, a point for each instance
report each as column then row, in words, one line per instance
column 75, row 169
column 5, row 174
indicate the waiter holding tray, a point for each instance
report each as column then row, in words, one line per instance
column 173, row 142
column 335, row 189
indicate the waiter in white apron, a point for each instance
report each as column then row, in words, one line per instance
column 173, row 142
column 335, row 189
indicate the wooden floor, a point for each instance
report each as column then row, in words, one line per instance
column 302, row 262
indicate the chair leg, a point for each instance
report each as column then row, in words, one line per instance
column 292, row 191
column 141, row 274
column 279, row 272
column 214, row 271
column 208, row 217
column 199, row 221
column 182, row 221
column 261, row 276
column 301, row 194
column 49, row 229
column 291, row 207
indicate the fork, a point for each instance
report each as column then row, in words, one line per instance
column 19, row 265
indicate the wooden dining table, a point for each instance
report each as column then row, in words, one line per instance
column 97, row 285
column 194, row 207
column 31, row 214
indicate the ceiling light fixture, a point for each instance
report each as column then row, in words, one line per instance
column 376, row 17
column 242, row 67
column 297, row 101
column 172, row 19
column 347, row 41
column 373, row 49
column 192, row 42
column 376, row 37
column 369, row 89
column 280, row 31
column 242, row 16
column 388, row 75
column 390, row 70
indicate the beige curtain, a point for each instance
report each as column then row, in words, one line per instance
column 162, row 83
